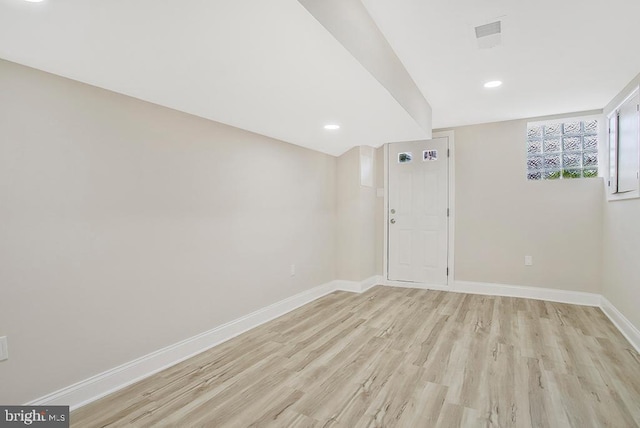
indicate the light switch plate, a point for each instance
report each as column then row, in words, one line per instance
column 528, row 261
column 4, row 349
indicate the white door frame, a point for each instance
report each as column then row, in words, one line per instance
column 451, row 222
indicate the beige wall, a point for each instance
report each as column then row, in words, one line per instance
column 126, row 227
column 501, row 217
column 621, row 274
column 348, row 215
column 356, row 214
column 367, row 243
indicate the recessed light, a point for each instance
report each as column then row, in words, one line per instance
column 332, row 127
column 493, row 84
column 34, row 1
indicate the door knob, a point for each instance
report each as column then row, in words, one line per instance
column 393, row 211
column 392, row 221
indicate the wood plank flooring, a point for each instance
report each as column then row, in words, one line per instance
column 395, row 357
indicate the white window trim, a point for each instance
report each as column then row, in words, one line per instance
column 611, row 197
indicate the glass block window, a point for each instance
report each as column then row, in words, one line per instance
column 562, row 150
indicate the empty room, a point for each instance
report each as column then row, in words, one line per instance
column 319, row 213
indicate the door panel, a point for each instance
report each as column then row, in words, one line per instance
column 430, row 193
column 429, row 244
column 418, row 221
column 405, row 203
column 404, row 256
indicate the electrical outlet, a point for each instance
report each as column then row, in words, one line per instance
column 4, row 348
column 528, row 261
column 293, row 270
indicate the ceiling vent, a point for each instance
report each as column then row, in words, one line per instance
column 489, row 35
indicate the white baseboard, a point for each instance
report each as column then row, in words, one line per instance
column 418, row 285
column 625, row 326
column 370, row 282
column 489, row 289
column 344, row 285
column 105, row 383
column 358, row 287
column 628, row 330
column 112, row 380
column 550, row 294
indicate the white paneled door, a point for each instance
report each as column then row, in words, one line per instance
column 418, row 212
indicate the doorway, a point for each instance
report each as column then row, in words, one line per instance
column 419, row 211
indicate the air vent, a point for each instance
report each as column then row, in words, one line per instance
column 489, row 29
column 489, row 35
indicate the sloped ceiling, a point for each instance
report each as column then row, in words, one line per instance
column 270, row 67
column 265, row 66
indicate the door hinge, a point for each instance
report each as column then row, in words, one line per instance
column 447, row 271
column 447, row 212
column 448, row 152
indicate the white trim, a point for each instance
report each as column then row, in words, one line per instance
column 505, row 290
column 537, row 293
column 105, row 383
column 634, row 91
column 344, row 285
column 628, row 330
column 112, row 380
column 385, row 235
column 358, row 287
column 371, row 282
column 452, row 203
column 606, row 155
column 418, row 285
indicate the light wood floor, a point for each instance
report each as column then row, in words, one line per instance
column 398, row 357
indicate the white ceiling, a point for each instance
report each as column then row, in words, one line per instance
column 271, row 68
column 265, row 66
column 557, row 56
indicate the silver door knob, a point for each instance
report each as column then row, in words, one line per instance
column 392, row 221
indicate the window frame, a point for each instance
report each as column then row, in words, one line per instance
column 612, row 153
